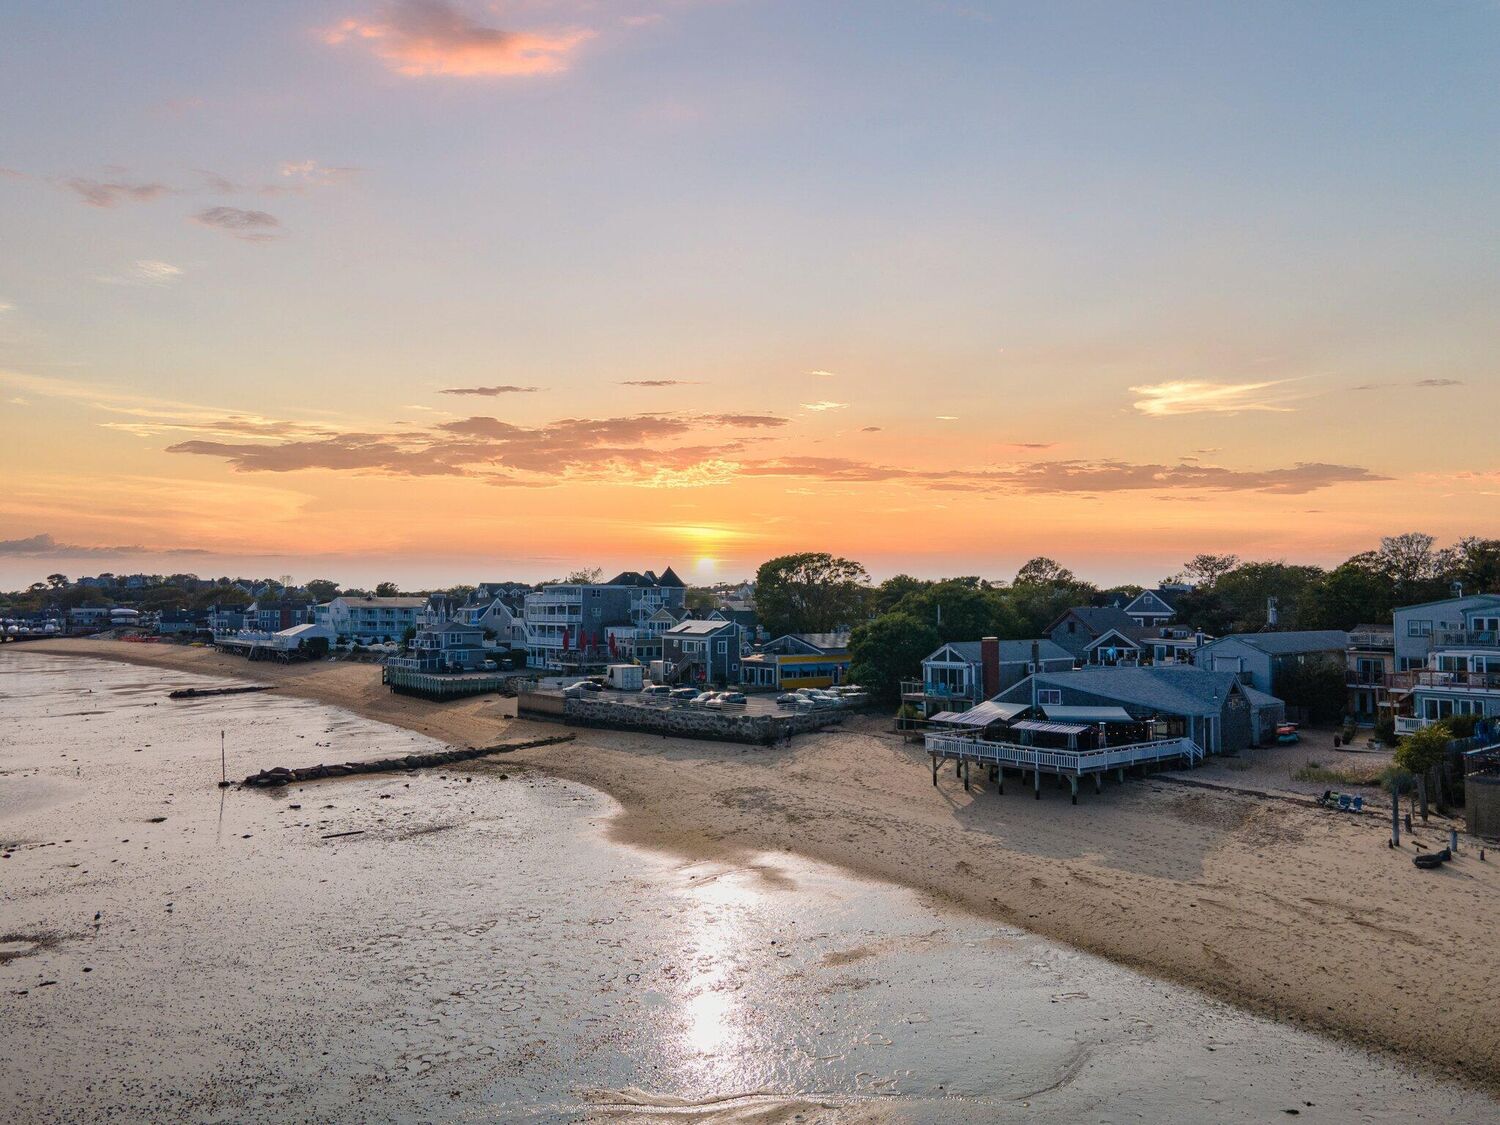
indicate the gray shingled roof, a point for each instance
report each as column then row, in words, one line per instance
column 1169, row 689
column 1011, row 652
column 1283, row 644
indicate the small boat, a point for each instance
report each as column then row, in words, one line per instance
column 1286, row 733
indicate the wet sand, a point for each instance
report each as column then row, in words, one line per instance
column 1295, row 913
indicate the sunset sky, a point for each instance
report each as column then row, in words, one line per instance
column 448, row 290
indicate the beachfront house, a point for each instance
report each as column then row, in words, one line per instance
column 272, row 615
column 1461, row 675
column 959, row 674
column 498, row 617
column 703, row 651
column 224, row 620
column 1258, row 659
column 1214, row 709
column 1369, row 673
column 568, row 623
column 798, row 660
column 450, row 646
column 368, row 619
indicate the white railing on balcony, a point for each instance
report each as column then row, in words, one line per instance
column 1072, row 762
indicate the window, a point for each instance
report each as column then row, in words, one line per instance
column 1419, row 628
column 723, row 647
column 1049, row 697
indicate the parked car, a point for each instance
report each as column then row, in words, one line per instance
column 582, row 687
column 656, row 690
column 491, row 666
column 788, row 699
column 733, row 698
column 704, row 698
column 685, row 693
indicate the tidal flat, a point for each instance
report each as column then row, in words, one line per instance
column 470, row 943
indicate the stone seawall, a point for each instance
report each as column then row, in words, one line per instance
column 695, row 722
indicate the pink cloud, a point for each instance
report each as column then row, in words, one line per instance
column 421, row 38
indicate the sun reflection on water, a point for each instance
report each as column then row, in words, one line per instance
column 714, row 1019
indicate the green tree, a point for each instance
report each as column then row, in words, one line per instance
column 387, row 590
column 960, row 611
column 1041, row 592
column 1421, row 752
column 586, row 576
column 1236, row 601
column 885, row 650
column 812, row 592
column 57, row 581
column 322, row 589
column 1355, row 592
column 1474, row 562
column 1208, row 569
column 1409, row 559
column 892, row 590
column 1317, row 686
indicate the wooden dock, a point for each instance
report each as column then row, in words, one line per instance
column 440, row 686
column 965, row 752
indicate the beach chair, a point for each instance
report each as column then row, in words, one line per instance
column 1344, row 802
column 1359, row 804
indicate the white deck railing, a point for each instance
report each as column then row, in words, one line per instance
column 1062, row 761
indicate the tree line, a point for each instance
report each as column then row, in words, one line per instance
column 897, row 622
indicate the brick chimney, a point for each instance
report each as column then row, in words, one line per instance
column 989, row 660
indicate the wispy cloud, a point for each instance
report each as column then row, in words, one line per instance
column 424, row 38
column 659, row 383
column 144, row 272
column 628, row 449
column 1161, row 400
column 821, row 373
column 870, row 430
column 252, row 226
column 99, row 193
column 490, row 392
column 45, row 546
column 824, row 405
column 1410, row 383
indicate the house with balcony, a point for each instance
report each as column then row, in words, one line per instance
column 368, row 619
column 1420, row 629
column 1369, row 673
column 271, row 615
column 450, row 646
column 1214, row 709
column 960, row 674
column 226, row 620
column 570, row 626
column 704, row 651
column 500, row 618
column 1461, row 675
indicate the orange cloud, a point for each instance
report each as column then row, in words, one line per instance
column 421, row 38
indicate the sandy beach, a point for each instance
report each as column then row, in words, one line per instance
column 1287, row 910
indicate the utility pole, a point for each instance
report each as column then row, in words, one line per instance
column 1395, row 814
column 223, row 764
